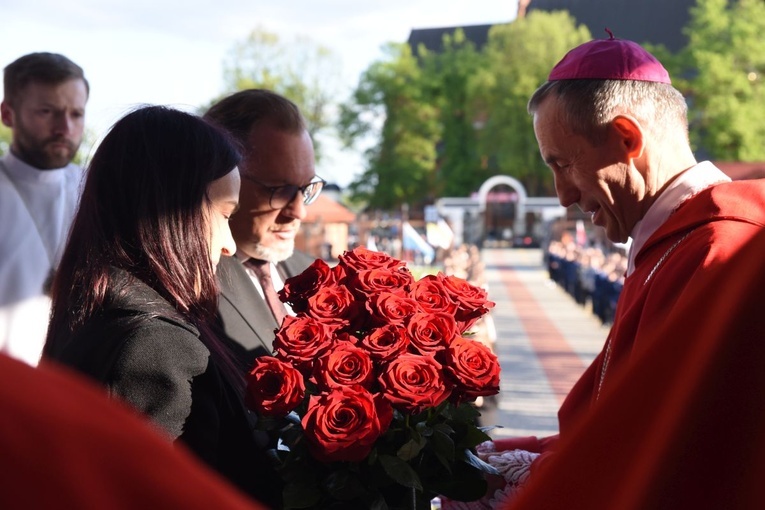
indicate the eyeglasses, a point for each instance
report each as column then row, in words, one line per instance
column 281, row 196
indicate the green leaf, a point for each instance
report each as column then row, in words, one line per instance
column 443, row 447
column 344, row 485
column 473, row 436
column 466, row 413
column 423, row 429
column 488, row 428
column 443, row 428
column 378, row 504
column 411, row 449
column 465, row 484
column 401, row 472
column 472, row 459
column 300, row 494
column 293, row 418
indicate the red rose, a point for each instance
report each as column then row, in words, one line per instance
column 300, row 340
column 472, row 301
column 431, row 332
column 274, row 388
column 299, row 288
column 413, row 383
column 334, row 306
column 474, row 368
column 386, row 342
column 360, row 259
column 432, row 296
column 345, row 365
column 344, row 424
column 390, row 308
column 340, row 273
column 373, row 281
column 345, row 336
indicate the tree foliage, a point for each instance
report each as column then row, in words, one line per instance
column 441, row 123
column 447, row 121
column 519, row 57
column 449, row 78
column 300, row 70
column 391, row 100
column 723, row 67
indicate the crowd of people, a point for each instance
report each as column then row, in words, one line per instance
column 158, row 276
column 593, row 278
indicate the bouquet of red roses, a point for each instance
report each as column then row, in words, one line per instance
column 369, row 395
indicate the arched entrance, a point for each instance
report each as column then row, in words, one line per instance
column 512, row 205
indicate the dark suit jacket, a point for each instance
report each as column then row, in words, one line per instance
column 147, row 354
column 243, row 315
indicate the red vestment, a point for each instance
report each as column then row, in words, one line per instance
column 66, row 445
column 676, row 418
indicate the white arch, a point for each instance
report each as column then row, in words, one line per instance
column 520, row 210
column 483, row 191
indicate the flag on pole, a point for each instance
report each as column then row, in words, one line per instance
column 412, row 240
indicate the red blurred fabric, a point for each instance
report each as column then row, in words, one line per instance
column 65, row 445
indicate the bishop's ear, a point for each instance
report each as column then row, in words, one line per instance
column 631, row 135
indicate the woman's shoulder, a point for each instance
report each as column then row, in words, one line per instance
column 129, row 296
column 162, row 342
column 136, row 327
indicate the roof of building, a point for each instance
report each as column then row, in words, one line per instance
column 329, row 211
column 433, row 38
column 647, row 21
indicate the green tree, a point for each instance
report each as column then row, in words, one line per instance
column 5, row 139
column 449, row 80
column 452, row 119
column 300, row 69
column 519, row 57
column 391, row 105
column 724, row 73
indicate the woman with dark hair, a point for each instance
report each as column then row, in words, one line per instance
column 135, row 294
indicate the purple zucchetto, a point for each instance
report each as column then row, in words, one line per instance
column 609, row 59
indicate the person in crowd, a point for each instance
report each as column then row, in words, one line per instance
column 278, row 182
column 66, row 445
column 614, row 131
column 135, row 297
column 44, row 106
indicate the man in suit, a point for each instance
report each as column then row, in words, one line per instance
column 278, row 182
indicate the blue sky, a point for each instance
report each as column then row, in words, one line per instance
column 172, row 51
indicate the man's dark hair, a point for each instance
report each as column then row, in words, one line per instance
column 240, row 112
column 42, row 67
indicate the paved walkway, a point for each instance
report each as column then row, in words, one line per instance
column 545, row 340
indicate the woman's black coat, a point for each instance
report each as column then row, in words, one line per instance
column 145, row 353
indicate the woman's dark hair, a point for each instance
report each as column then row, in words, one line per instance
column 142, row 211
